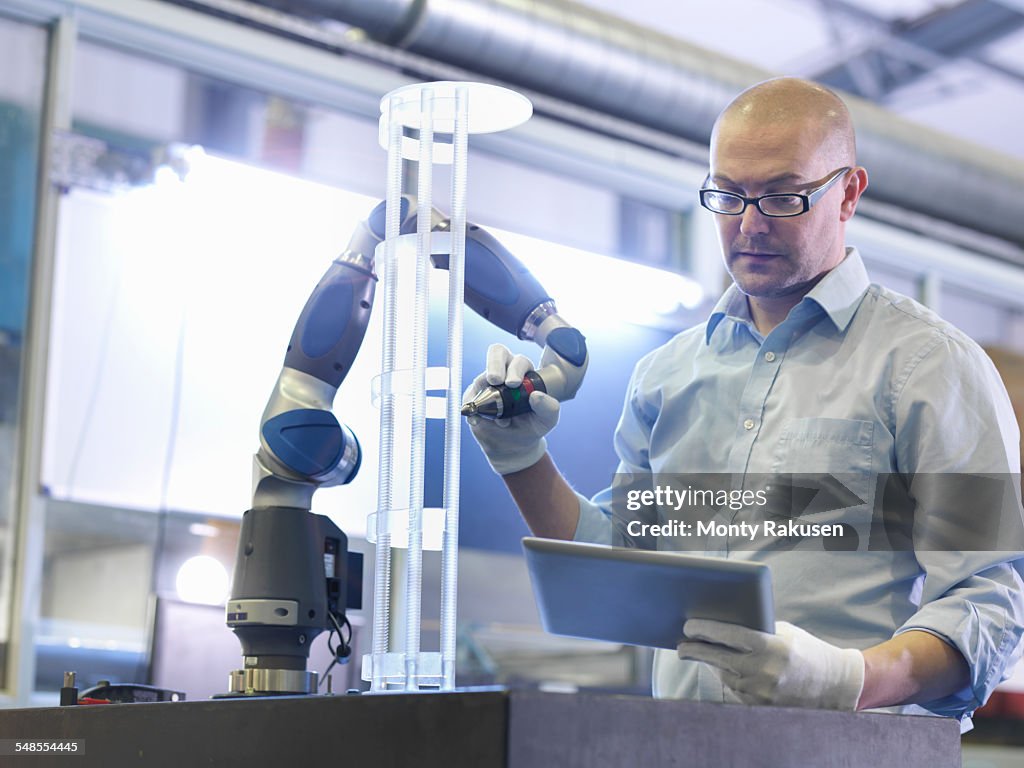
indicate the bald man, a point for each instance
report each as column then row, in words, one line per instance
column 804, row 366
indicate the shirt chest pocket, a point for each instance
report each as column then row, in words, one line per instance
column 837, row 453
column 825, row 445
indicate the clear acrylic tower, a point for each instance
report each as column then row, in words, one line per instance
column 427, row 124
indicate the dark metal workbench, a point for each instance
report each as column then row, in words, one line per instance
column 518, row 729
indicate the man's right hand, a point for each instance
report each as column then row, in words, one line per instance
column 511, row 445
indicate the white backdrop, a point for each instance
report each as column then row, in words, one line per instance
column 221, row 265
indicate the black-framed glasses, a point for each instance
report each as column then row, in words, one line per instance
column 776, row 204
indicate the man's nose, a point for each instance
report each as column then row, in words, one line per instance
column 753, row 222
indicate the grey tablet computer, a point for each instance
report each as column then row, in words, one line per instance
column 639, row 597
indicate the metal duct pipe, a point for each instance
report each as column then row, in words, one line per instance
column 607, row 64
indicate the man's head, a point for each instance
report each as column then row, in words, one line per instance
column 784, row 135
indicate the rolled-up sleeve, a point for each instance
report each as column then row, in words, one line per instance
column 598, row 523
column 595, row 525
column 954, row 421
column 980, row 616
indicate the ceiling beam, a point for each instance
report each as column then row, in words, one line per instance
column 907, row 50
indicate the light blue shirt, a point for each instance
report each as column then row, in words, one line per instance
column 858, row 380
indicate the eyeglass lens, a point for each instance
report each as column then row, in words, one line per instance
column 772, row 205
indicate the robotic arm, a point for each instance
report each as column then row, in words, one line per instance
column 282, row 595
column 294, row 576
column 500, row 289
column 302, row 444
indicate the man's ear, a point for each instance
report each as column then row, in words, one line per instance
column 856, row 183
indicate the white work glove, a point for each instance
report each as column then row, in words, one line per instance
column 517, row 443
column 791, row 668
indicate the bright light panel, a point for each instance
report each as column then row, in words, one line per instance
column 202, row 579
column 592, row 289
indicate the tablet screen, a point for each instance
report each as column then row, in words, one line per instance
column 639, row 597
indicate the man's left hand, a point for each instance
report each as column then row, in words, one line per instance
column 791, row 668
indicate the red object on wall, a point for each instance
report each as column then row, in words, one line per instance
column 1006, row 704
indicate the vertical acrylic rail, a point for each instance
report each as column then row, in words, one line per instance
column 382, row 567
column 414, row 572
column 453, row 416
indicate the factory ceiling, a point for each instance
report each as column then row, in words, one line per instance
column 957, row 66
column 953, row 69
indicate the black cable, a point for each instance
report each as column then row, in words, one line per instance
column 345, row 648
column 175, row 420
column 113, row 305
column 343, row 651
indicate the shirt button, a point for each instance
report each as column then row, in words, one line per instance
column 769, row 356
column 748, row 424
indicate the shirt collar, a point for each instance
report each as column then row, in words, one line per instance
column 733, row 304
column 839, row 294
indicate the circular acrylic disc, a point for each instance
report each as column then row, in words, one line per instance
column 490, row 108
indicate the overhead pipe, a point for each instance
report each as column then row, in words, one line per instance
column 583, row 56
